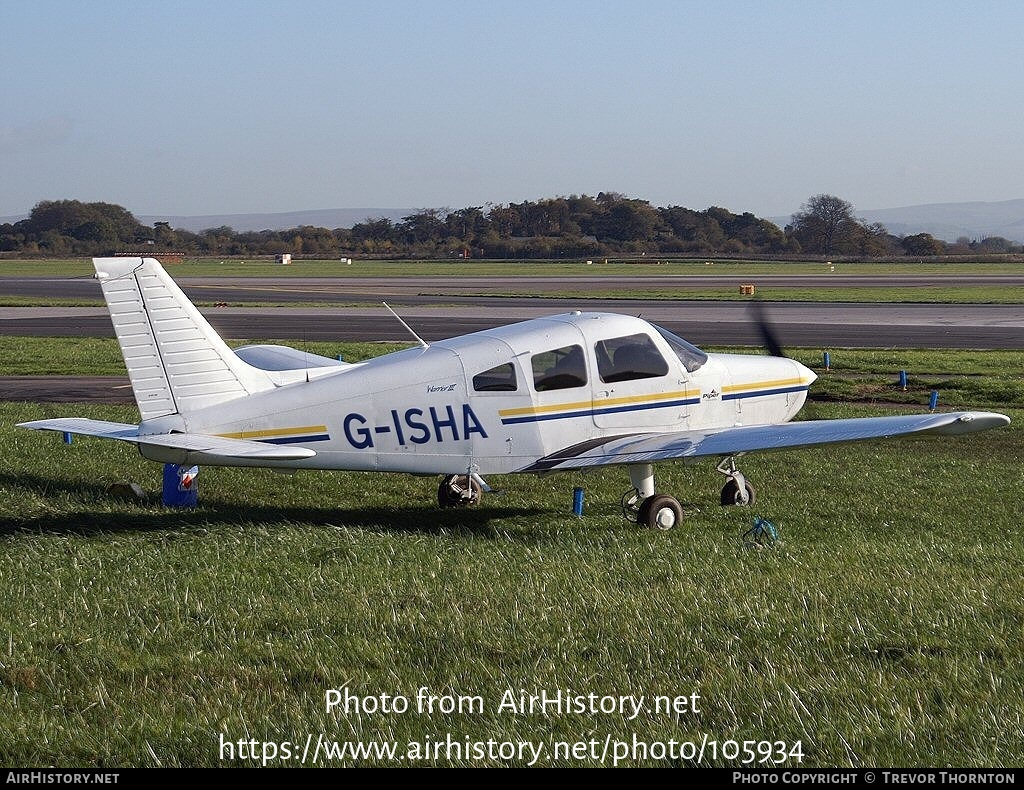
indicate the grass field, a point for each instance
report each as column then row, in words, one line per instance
column 632, row 275
column 884, row 628
column 949, row 294
column 963, row 378
column 101, row 356
column 229, row 267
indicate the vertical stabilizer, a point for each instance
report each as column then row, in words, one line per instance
column 176, row 361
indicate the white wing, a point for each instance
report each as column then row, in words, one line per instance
column 645, row 448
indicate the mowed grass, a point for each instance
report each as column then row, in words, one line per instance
column 884, row 628
column 101, row 356
column 897, row 294
column 633, row 267
column 632, row 275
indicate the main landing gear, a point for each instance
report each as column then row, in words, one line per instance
column 653, row 510
column 661, row 511
column 460, row 491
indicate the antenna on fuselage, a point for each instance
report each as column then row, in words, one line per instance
column 408, row 328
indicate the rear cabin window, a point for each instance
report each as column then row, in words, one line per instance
column 499, row 379
column 559, row 369
column 629, row 358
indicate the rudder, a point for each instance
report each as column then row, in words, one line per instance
column 176, row 362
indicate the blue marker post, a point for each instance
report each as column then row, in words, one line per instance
column 577, row 501
column 933, row 402
column 903, row 380
column 827, row 359
column 67, row 437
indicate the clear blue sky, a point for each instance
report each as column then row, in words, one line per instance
column 182, row 107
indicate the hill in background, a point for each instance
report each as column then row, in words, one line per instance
column 949, row 221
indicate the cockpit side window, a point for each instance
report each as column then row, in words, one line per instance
column 559, row 369
column 498, row 379
column 691, row 356
column 629, row 358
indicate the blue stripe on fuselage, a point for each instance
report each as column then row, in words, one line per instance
column 323, row 437
column 593, row 412
column 762, row 393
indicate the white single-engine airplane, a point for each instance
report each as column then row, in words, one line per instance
column 572, row 391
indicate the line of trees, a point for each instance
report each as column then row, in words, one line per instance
column 577, row 226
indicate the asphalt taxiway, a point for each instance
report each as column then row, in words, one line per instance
column 813, row 324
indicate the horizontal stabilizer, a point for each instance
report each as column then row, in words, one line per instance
column 85, row 427
column 170, row 447
column 276, row 358
column 225, row 448
column 645, row 448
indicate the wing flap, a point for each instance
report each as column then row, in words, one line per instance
column 652, row 447
column 193, row 446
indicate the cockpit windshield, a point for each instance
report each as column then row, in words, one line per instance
column 691, row 356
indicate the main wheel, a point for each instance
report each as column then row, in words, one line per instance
column 731, row 494
column 458, row 491
column 660, row 512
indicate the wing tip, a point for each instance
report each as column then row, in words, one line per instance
column 973, row 421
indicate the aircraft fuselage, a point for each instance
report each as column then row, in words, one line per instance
column 496, row 401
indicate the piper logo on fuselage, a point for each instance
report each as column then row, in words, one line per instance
column 415, row 426
column 711, row 395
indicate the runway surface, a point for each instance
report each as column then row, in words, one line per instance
column 709, row 323
column 66, row 389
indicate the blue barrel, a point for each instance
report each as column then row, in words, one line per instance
column 177, row 492
column 577, row 501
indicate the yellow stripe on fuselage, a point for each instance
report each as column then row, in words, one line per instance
column 275, row 432
column 587, row 404
column 763, row 385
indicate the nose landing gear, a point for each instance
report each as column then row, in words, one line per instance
column 737, row 490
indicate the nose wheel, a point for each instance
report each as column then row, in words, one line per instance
column 737, row 490
column 732, row 494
